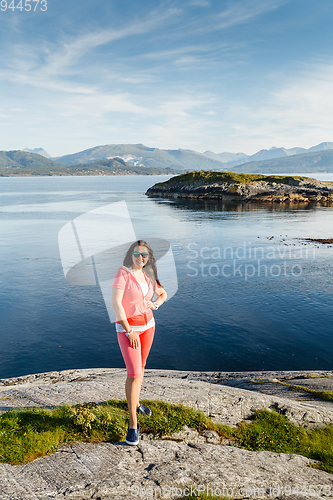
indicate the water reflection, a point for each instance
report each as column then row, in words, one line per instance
column 219, row 206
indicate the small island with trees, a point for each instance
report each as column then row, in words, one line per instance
column 245, row 188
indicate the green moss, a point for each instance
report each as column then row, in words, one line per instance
column 31, row 433
column 272, row 431
column 167, row 419
column 324, row 395
column 213, row 176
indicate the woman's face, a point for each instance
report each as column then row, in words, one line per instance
column 140, row 261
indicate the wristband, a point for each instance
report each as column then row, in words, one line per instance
column 156, row 305
column 128, row 333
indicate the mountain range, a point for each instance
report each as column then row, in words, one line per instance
column 233, row 159
column 124, row 159
column 318, row 161
column 23, row 163
column 185, row 159
column 143, row 156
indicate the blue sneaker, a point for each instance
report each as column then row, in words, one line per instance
column 132, row 437
column 144, row 410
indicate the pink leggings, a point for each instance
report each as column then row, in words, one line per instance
column 135, row 359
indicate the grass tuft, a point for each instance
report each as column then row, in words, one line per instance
column 31, row 433
column 167, row 418
column 209, row 176
column 272, row 431
column 325, row 395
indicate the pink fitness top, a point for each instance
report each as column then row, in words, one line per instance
column 134, row 302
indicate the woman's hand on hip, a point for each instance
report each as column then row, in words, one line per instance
column 134, row 340
column 150, row 304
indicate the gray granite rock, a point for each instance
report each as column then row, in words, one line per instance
column 83, row 471
column 203, row 391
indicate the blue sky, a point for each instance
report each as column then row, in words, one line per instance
column 233, row 76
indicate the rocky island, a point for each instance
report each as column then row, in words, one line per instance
column 234, row 187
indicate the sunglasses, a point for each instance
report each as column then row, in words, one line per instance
column 137, row 254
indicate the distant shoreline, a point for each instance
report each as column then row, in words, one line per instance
column 83, row 174
column 86, row 174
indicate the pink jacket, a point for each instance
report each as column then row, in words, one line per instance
column 134, row 302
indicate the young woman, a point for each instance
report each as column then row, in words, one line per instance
column 134, row 286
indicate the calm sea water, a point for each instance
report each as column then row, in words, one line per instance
column 252, row 294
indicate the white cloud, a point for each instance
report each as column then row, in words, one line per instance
column 187, row 61
column 43, row 82
column 237, row 12
column 180, row 122
column 58, row 66
column 171, row 53
column 99, row 105
column 297, row 111
column 182, row 105
column 240, row 12
column 73, row 50
column 199, row 3
column 145, row 96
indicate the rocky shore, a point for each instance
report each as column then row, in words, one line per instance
column 230, row 187
column 103, row 471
